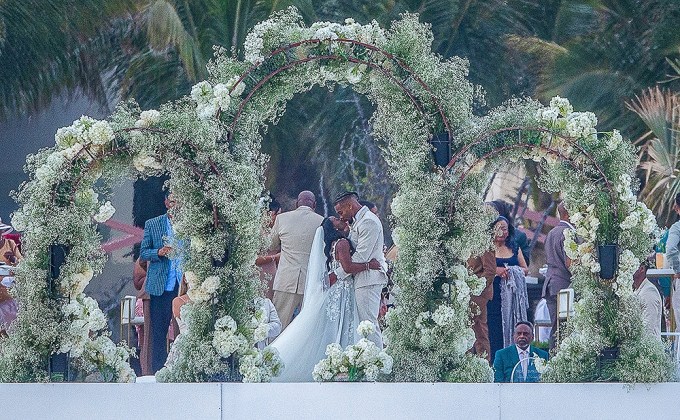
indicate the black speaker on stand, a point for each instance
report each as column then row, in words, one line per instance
column 442, row 149
column 58, row 254
column 58, row 364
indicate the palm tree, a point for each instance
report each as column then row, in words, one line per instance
column 660, row 156
column 49, row 47
column 600, row 53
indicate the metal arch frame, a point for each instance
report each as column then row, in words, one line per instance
column 117, row 149
column 571, row 141
column 386, row 72
column 282, row 50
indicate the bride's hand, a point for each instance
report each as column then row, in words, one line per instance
column 332, row 278
column 374, row 264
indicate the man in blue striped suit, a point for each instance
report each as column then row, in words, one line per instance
column 163, row 277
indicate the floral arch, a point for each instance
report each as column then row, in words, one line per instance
column 209, row 143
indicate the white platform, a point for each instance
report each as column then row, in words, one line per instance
column 339, row 401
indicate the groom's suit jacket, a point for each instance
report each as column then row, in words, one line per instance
column 293, row 234
column 366, row 234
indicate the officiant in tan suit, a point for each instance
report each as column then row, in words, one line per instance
column 292, row 235
column 366, row 235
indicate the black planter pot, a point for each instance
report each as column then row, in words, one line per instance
column 605, row 362
column 609, row 260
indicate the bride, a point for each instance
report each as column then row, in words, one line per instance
column 329, row 312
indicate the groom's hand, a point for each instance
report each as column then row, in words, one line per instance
column 374, row 264
column 332, row 278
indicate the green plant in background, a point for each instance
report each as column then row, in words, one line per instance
column 660, row 155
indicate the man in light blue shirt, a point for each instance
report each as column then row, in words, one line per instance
column 163, row 277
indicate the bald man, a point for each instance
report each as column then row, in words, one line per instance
column 558, row 276
column 292, row 235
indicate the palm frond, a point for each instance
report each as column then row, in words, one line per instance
column 660, row 158
column 165, row 29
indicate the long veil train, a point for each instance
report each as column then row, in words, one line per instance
column 303, row 343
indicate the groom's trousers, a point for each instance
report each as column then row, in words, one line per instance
column 368, row 306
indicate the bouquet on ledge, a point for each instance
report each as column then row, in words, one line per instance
column 362, row 361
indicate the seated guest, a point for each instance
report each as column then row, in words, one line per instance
column 271, row 318
column 508, row 359
column 178, row 326
column 9, row 255
column 650, row 298
column 143, row 331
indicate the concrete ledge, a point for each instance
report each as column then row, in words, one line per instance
column 338, row 401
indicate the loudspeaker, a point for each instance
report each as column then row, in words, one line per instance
column 442, row 149
column 58, row 254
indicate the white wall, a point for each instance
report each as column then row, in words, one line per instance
column 339, row 401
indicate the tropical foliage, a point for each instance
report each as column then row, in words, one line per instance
column 660, row 155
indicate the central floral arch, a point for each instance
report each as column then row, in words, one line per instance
column 209, row 143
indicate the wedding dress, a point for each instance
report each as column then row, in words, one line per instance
column 328, row 315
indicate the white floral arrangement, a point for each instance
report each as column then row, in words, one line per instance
column 216, row 171
column 256, row 366
column 362, row 361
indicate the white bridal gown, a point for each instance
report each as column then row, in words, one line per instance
column 328, row 315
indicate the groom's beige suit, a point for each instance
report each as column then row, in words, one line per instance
column 292, row 234
column 366, row 235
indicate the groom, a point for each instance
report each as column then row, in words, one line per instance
column 366, row 235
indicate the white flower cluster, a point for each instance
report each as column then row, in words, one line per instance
column 628, row 265
column 144, row 161
column 260, row 366
column 539, row 363
column 102, row 356
column 84, row 130
column 227, row 340
column 259, row 323
column 641, row 217
column 615, row 140
column 70, row 141
column 106, row 211
column 560, row 115
column 85, row 319
column 466, row 283
column 204, row 291
column 324, row 31
column 148, row 118
column 76, row 283
column 362, row 361
column 443, row 326
column 583, row 251
column 210, row 98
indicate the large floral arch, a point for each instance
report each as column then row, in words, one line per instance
column 210, row 145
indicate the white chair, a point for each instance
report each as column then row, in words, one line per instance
column 127, row 315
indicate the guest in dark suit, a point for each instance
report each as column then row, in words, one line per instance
column 508, row 359
column 163, row 277
column 558, row 276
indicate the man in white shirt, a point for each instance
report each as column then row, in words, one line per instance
column 650, row 299
column 366, row 235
